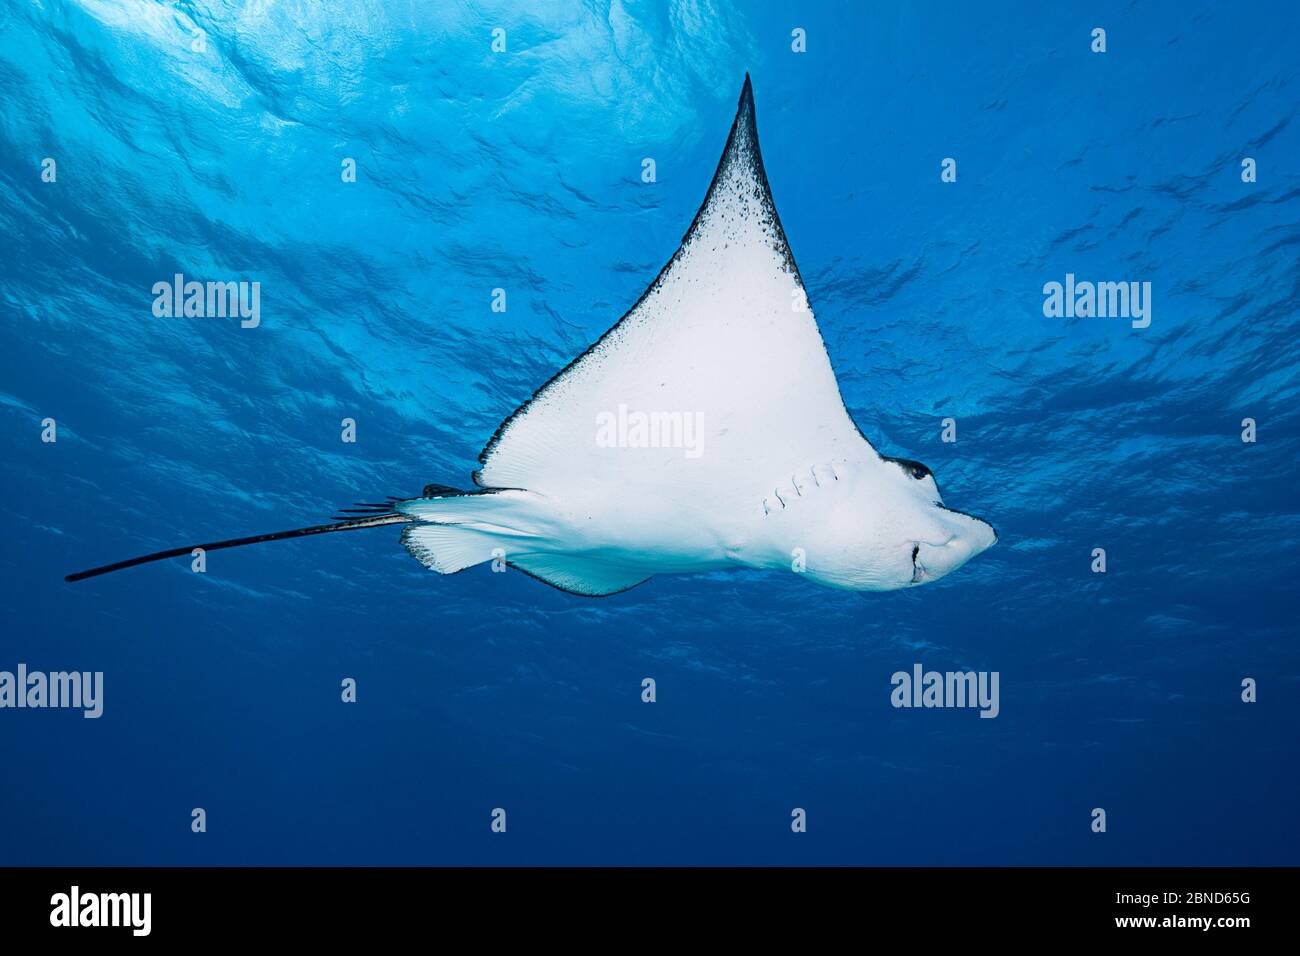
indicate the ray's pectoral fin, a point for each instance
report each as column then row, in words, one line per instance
column 454, row 530
column 589, row 577
column 722, row 343
column 451, row 548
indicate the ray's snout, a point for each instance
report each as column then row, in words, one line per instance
column 966, row 536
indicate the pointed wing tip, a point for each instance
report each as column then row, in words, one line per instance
column 746, row 115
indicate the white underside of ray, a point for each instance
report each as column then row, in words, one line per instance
column 722, row 348
column 664, row 446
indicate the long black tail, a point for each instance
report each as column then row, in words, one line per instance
column 374, row 521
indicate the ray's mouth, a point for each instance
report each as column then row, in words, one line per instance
column 918, row 569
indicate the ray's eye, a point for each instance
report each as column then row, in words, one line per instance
column 913, row 468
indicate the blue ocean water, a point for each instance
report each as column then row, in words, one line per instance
column 521, row 170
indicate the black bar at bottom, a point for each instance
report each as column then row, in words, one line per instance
column 237, row 904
